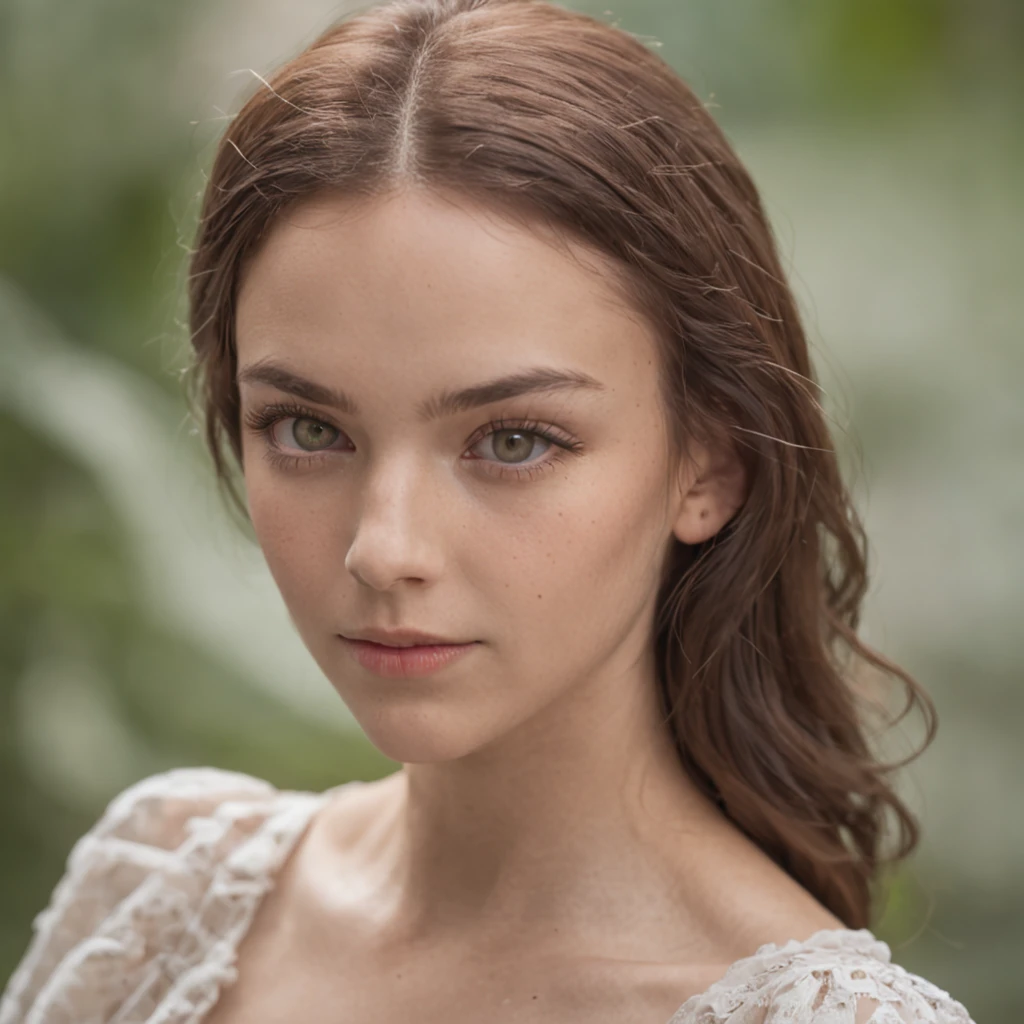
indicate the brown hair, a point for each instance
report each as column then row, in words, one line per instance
column 558, row 118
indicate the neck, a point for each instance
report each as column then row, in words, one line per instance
column 580, row 823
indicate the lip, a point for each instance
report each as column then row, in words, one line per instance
column 404, row 662
column 399, row 637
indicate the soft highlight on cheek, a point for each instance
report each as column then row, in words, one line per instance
column 302, row 540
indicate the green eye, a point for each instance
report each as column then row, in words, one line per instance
column 514, row 443
column 313, row 434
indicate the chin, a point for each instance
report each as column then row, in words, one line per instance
column 419, row 735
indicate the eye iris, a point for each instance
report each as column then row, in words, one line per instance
column 521, row 449
column 312, row 432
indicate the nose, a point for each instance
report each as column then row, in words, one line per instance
column 393, row 538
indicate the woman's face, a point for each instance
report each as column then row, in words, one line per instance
column 402, row 512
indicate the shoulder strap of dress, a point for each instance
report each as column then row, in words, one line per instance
column 837, row 976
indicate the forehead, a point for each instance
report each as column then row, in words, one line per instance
column 411, row 279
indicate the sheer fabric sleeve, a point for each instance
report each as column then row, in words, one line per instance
column 125, row 886
column 836, row 977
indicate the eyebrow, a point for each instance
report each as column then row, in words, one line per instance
column 444, row 403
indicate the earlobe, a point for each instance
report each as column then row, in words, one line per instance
column 716, row 492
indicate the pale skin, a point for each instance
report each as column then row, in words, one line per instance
column 540, row 856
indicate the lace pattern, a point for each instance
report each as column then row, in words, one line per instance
column 145, row 924
column 837, row 976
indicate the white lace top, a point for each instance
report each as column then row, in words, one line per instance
column 144, row 925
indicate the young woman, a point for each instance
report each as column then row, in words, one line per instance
column 489, row 316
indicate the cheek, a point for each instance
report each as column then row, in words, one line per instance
column 295, row 532
column 582, row 564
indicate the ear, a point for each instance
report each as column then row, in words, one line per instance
column 713, row 487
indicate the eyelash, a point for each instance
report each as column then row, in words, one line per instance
column 262, row 421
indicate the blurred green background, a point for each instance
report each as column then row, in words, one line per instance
column 139, row 630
